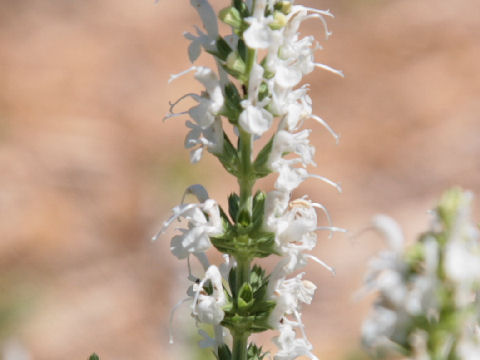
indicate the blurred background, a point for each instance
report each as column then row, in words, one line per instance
column 89, row 171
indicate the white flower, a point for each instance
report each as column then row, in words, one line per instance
column 203, row 221
column 297, row 143
column 199, row 139
column 288, row 294
column 291, row 347
column 254, row 119
column 208, row 308
column 258, row 34
column 211, row 102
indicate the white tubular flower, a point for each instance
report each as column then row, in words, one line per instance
column 289, row 294
column 297, row 143
column 254, row 119
column 211, row 102
column 258, row 35
column 203, row 221
column 291, row 347
column 207, row 308
column 199, row 139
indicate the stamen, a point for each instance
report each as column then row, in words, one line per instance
column 329, row 68
column 331, row 228
column 172, row 313
column 180, row 74
column 317, row 260
column 169, row 116
column 172, row 105
column 172, row 218
column 326, row 126
column 327, row 215
column 328, row 33
column 328, row 181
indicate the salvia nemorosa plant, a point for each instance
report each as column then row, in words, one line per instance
column 256, row 89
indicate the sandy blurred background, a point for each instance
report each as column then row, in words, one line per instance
column 89, row 170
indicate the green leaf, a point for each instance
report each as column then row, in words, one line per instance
column 94, row 357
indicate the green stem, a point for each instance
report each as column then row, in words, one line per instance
column 240, row 342
column 246, row 180
column 242, row 272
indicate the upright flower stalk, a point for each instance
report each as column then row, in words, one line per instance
column 260, row 65
column 427, row 306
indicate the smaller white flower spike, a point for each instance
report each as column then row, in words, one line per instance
column 390, row 229
column 423, row 287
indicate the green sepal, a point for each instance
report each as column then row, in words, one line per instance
column 252, row 309
column 267, row 74
column 224, row 352
column 244, row 218
column 255, row 353
column 241, row 7
column 232, row 282
column 231, row 16
column 284, row 6
column 242, row 49
column 279, row 20
column 229, row 157
column 258, row 210
column 233, row 206
column 257, row 245
column 260, row 165
column 235, row 65
column 245, row 298
column 94, row 357
column 223, row 49
column 263, row 91
column 232, row 107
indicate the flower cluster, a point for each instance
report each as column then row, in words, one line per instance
column 427, row 305
column 255, row 89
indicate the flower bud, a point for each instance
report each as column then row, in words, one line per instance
column 231, row 16
column 279, row 21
